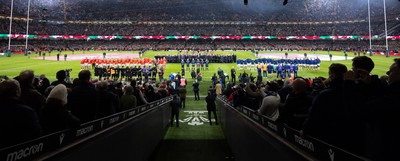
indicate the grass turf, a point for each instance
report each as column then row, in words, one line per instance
column 11, row 66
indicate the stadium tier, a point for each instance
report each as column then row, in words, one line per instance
column 164, row 45
column 216, row 10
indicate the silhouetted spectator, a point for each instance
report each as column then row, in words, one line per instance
column 327, row 118
column 128, row 100
column 297, row 105
column 285, row 90
column 254, row 96
column 60, row 78
column 228, row 91
column 30, row 96
column 83, row 99
column 383, row 118
column 369, row 86
column 108, row 101
column 55, row 115
column 151, row 94
column 271, row 102
column 18, row 122
column 47, row 91
column 119, row 90
column 162, row 91
column 44, row 84
column 359, row 87
column 138, row 94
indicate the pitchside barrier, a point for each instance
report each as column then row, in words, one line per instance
column 252, row 136
column 110, row 138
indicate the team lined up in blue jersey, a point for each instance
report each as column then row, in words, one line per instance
column 281, row 67
column 295, row 61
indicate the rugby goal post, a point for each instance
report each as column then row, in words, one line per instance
column 378, row 47
column 18, row 47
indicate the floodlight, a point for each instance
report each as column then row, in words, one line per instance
column 285, row 2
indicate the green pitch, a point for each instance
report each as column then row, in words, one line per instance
column 11, row 66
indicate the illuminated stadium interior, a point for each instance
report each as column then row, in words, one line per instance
column 111, row 80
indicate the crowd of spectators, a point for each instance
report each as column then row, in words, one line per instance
column 346, row 29
column 181, row 10
column 53, row 17
column 54, row 46
column 79, row 45
column 32, row 106
column 351, row 109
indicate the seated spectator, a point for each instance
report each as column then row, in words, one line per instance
column 163, row 91
column 75, row 82
column 285, row 90
column 296, row 106
column 55, row 115
column 119, row 90
column 271, row 102
column 228, row 91
column 29, row 95
column 128, row 100
column 384, row 111
column 108, row 101
column 60, row 78
column 138, row 94
column 254, row 96
column 369, row 86
column 328, row 118
column 43, row 85
column 83, row 99
column 384, row 81
column 318, row 84
column 47, row 91
column 240, row 96
column 150, row 93
column 18, row 122
column 359, row 87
